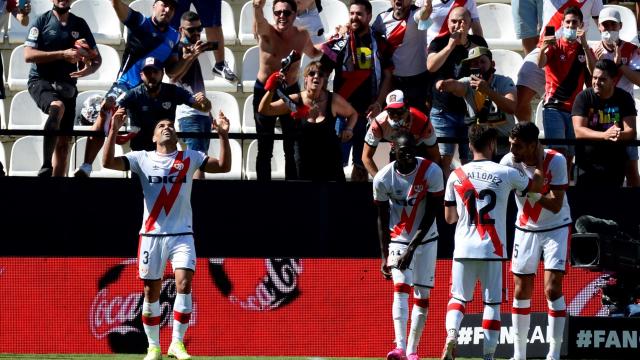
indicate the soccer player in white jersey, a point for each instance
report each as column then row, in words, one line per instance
column 476, row 197
column 408, row 192
column 543, row 227
column 166, row 234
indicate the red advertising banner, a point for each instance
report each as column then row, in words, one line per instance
column 261, row 307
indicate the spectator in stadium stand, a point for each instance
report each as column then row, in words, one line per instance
column 363, row 76
column 62, row 49
column 527, row 18
column 186, row 73
column 152, row 101
column 408, row 185
column 439, row 18
column 567, row 62
column 531, row 79
column 308, row 18
column 147, row 36
column 167, row 231
column 543, row 229
column 406, row 42
column 446, row 53
column 636, row 12
column 607, row 114
column 210, row 12
column 11, row 8
column 275, row 43
column 319, row 154
column 627, row 57
column 490, row 97
column 398, row 115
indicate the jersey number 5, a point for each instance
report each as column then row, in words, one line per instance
column 481, row 214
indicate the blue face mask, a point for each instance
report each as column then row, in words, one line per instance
column 185, row 41
column 569, row 34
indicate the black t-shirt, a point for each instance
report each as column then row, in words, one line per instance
column 601, row 114
column 452, row 69
column 49, row 34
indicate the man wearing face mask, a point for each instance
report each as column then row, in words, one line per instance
column 490, row 98
column 626, row 56
column 568, row 63
column 153, row 100
column 399, row 115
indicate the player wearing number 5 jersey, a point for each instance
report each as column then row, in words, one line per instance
column 476, row 197
column 542, row 228
column 408, row 193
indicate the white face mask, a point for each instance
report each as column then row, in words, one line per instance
column 570, row 34
column 610, row 37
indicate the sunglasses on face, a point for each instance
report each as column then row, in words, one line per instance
column 194, row 29
column 286, row 13
column 313, row 73
column 396, row 112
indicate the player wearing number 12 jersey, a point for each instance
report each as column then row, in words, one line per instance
column 166, row 178
column 476, row 197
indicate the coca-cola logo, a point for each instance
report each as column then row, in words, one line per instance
column 277, row 287
column 109, row 313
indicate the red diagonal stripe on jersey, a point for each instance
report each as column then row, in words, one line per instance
column 444, row 30
column 396, row 36
column 407, row 221
column 166, row 200
column 352, row 80
column 532, row 212
column 483, row 229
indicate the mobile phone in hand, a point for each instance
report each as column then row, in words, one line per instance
column 22, row 4
column 549, row 31
column 475, row 72
column 210, row 46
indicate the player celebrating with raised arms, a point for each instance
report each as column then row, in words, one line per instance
column 476, row 198
column 167, row 233
column 408, row 192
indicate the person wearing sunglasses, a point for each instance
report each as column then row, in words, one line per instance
column 318, row 150
column 275, row 42
column 398, row 115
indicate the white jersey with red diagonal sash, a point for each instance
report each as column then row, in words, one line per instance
column 480, row 191
column 166, row 184
column 440, row 15
column 553, row 12
column 532, row 216
column 405, row 194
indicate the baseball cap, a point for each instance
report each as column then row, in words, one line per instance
column 476, row 52
column 152, row 62
column 395, row 100
column 609, row 14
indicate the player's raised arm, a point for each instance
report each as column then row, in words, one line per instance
column 108, row 159
column 122, row 9
column 223, row 163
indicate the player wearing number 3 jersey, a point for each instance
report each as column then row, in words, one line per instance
column 476, row 197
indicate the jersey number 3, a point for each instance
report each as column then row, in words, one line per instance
column 481, row 214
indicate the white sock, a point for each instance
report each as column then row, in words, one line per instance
column 521, row 319
column 556, row 317
column 151, row 322
column 182, row 308
column 490, row 328
column 418, row 319
column 455, row 313
column 400, row 312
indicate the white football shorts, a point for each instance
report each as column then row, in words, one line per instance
column 529, row 246
column 154, row 251
column 421, row 271
column 465, row 273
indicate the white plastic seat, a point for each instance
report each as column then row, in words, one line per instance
column 79, row 102
column 334, row 13
column 142, row 6
column 229, row 106
column 104, row 77
column 378, row 6
column 18, row 33
column 216, row 83
column 18, row 69
column 250, row 66
column 628, row 31
column 538, row 121
column 236, row 160
column 77, row 158
column 248, row 121
column 508, row 62
column 26, row 156
column 24, row 113
column 3, row 115
column 3, row 158
column 101, row 18
column 277, row 161
column 228, row 24
column 245, row 27
column 498, row 29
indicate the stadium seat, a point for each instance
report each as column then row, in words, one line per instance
column 628, row 31
column 18, row 33
column 236, row 160
column 3, row 158
column 3, row 115
column 142, row 6
column 104, row 77
column 26, row 156
column 217, row 83
column 378, row 6
column 538, row 121
column 498, row 28
column 250, row 65
column 18, row 69
column 508, row 63
column 101, row 18
column 24, row 113
column 245, row 26
column 248, row 121
column 77, row 157
column 277, row 161
column 334, row 13
column 80, row 100
column 229, row 106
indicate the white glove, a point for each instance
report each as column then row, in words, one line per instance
column 533, row 197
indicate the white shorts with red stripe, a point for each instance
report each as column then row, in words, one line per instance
column 421, row 271
column 154, row 251
column 465, row 273
column 528, row 247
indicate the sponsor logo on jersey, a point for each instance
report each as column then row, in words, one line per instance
column 166, row 105
column 582, row 58
column 75, row 34
column 178, row 165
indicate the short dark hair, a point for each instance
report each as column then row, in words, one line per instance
column 527, row 132
column 406, row 136
column 607, row 66
column 190, row 16
column 365, row 3
column 481, row 136
column 291, row 3
column 574, row 11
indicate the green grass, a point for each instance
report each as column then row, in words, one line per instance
column 140, row 356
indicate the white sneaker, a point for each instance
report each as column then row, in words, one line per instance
column 448, row 353
column 178, row 351
column 84, row 171
column 153, row 353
